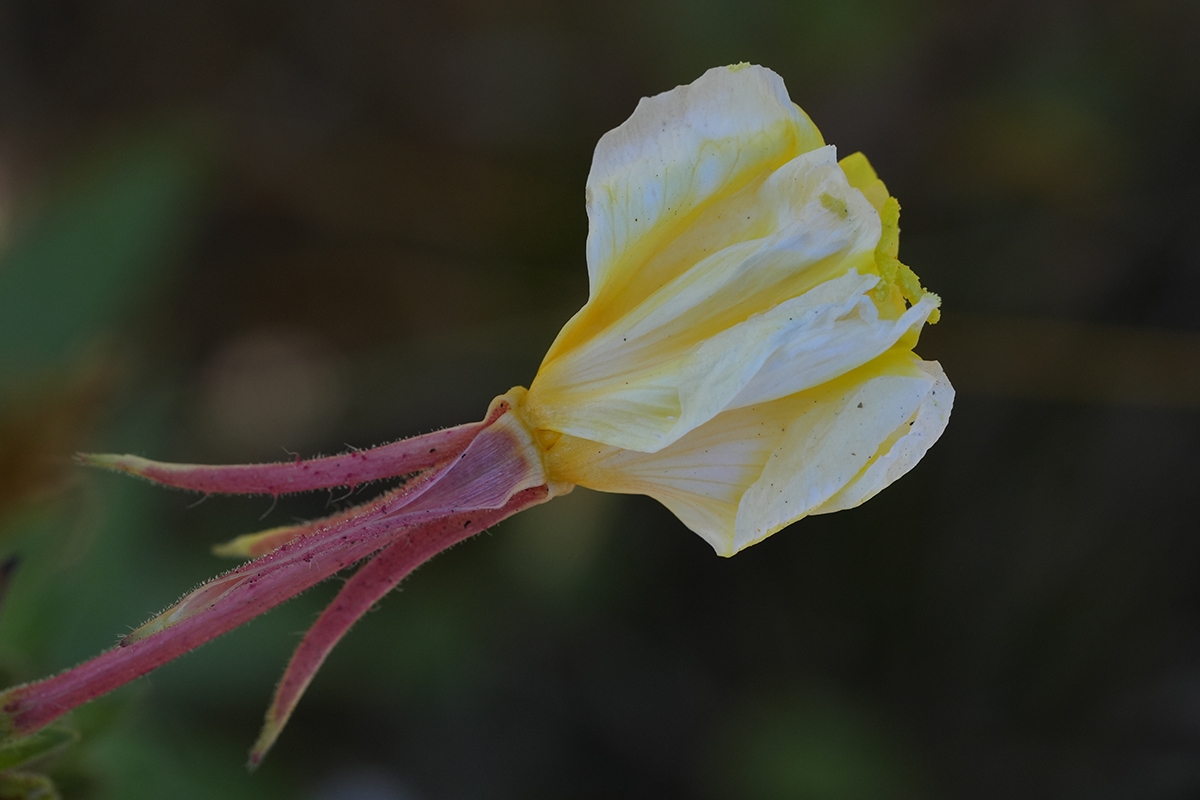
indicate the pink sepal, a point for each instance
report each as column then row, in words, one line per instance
column 493, row 476
column 367, row 586
column 349, row 469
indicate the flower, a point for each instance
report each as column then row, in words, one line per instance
column 745, row 352
column 744, row 356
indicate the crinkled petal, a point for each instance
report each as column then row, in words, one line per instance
column 861, row 176
column 695, row 344
column 814, row 354
column 750, row 471
column 903, row 449
column 681, row 150
column 834, row 438
column 700, row 478
column 677, row 181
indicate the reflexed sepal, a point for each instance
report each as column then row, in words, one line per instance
column 349, row 469
column 253, row 545
column 365, row 588
column 500, row 464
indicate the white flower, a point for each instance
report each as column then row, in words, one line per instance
column 745, row 352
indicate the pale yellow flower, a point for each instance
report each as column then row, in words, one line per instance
column 745, row 354
column 745, row 357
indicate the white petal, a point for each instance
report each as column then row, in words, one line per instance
column 685, row 352
column 813, row 354
column 701, row 477
column 831, row 441
column 682, row 148
column 748, row 472
column 903, row 449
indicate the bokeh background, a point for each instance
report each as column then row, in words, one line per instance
column 229, row 228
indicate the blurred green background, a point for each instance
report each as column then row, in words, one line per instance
column 229, row 228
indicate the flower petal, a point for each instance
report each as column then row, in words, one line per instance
column 831, row 442
column 901, row 451
column 680, row 150
column 750, row 471
column 811, row 354
column 862, row 176
column 693, row 345
column 700, row 478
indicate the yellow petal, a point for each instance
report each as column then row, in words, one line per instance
column 815, row 349
column 689, row 348
column 829, row 444
column 861, row 176
column 751, row 471
column 700, row 478
column 678, row 156
column 744, row 354
column 901, row 451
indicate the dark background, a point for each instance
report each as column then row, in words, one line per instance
column 229, row 228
